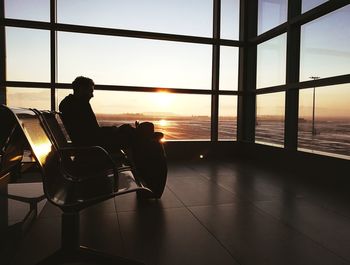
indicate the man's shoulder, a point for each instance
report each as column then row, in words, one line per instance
column 67, row 103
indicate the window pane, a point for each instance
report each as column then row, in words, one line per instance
column 325, row 49
column 28, row 9
column 310, row 4
column 331, row 131
column 21, row 97
column 271, row 62
column 269, row 127
column 230, row 19
column 227, row 117
column 228, row 68
column 134, row 62
column 28, row 54
column 184, row 17
column 175, row 115
column 271, row 13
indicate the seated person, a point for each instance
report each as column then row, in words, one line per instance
column 84, row 130
column 80, row 120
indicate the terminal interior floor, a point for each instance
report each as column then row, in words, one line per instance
column 212, row 212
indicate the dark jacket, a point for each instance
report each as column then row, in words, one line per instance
column 80, row 121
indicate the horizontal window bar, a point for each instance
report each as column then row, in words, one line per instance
column 118, row 32
column 334, row 80
column 121, row 88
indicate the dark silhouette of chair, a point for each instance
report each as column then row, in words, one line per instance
column 70, row 184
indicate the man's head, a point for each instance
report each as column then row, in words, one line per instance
column 83, row 87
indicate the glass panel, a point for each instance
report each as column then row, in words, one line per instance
column 325, row 49
column 28, row 54
column 133, row 62
column 175, row 115
column 310, row 4
column 271, row 62
column 271, row 13
column 227, row 117
column 184, row 17
column 28, row 9
column 328, row 130
column 20, row 97
column 230, row 19
column 228, row 68
column 269, row 127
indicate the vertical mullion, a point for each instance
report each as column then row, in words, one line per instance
column 292, row 76
column 3, row 184
column 215, row 71
column 2, row 54
column 53, row 53
column 246, row 108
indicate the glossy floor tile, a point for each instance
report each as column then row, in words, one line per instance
column 211, row 213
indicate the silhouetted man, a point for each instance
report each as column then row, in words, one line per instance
column 81, row 123
column 84, row 130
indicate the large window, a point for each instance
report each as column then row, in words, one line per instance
column 230, row 19
column 227, row 118
column 271, row 14
column 133, row 62
column 28, row 9
column 324, row 120
column 228, row 68
column 28, row 97
column 269, row 128
column 271, row 62
column 173, row 114
column 127, row 46
column 183, row 17
column 177, row 63
column 325, row 49
column 27, row 54
column 309, row 4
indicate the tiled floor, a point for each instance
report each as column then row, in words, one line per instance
column 211, row 213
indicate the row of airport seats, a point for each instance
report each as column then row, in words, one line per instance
column 71, row 183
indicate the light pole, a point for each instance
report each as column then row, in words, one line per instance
column 313, row 130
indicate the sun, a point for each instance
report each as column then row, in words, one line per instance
column 163, row 99
column 163, row 123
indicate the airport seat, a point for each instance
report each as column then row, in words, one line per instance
column 12, row 167
column 66, row 187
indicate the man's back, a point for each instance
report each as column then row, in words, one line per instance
column 80, row 121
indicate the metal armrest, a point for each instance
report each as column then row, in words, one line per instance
column 77, row 170
column 86, row 150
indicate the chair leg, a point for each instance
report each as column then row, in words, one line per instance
column 71, row 251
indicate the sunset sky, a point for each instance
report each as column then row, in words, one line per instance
column 138, row 62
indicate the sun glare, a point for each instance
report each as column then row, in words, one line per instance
column 163, row 99
column 163, row 123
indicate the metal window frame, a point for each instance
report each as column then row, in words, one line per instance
column 293, row 30
column 53, row 26
column 247, row 72
column 292, row 76
column 2, row 54
column 247, row 44
column 215, row 71
column 53, row 52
